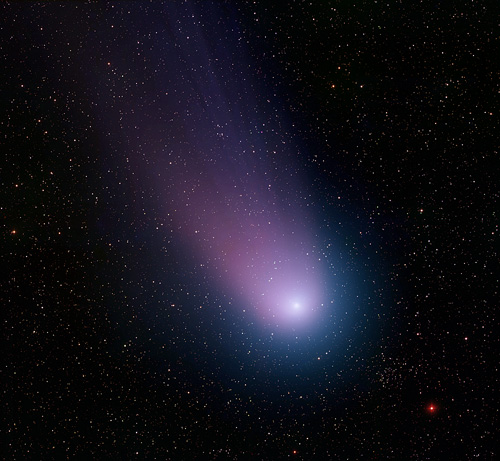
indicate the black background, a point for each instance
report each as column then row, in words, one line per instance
column 393, row 109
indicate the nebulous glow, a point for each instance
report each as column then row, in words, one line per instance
column 235, row 193
column 278, row 303
column 266, row 265
column 230, row 177
column 258, row 252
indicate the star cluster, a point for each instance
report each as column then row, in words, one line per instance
column 249, row 229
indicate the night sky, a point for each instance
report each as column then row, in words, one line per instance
column 250, row 230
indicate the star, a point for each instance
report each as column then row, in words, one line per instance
column 431, row 408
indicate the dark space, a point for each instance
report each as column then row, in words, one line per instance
column 250, row 230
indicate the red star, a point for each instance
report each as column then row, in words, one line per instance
column 432, row 408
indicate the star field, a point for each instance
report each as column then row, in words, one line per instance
column 249, row 230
